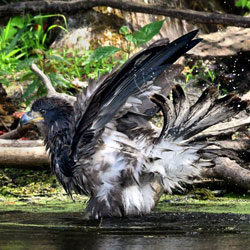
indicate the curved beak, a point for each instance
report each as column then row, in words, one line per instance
column 30, row 117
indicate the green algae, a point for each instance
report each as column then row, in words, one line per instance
column 168, row 203
column 39, row 192
column 229, row 203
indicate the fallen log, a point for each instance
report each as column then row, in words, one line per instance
column 20, row 143
column 50, row 7
column 231, row 172
column 23, row 154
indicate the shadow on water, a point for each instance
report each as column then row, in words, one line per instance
column 52, row 231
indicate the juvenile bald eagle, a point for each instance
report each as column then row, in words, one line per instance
column 105, row 147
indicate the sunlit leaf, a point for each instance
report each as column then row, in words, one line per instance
column 54, row 15
column 9, row 31
column 18, row 22
column 238, row 3
column 147, row 32
column 14, row 41
column 124, row 30
column 243, row 3
column 129, row 38
column 102, row 52
column 12, row 53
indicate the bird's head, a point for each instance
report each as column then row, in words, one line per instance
column 47, row 111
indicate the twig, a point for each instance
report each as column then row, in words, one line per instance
column 51, row 91
column 16, row 133
column 1, row 120
column 46, row 81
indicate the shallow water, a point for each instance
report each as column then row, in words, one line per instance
column 53, row 239
column 52, row 231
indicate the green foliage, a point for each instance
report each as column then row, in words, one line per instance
column 244, row 4
column 147, row 32
column 101, row 53
column 23, row 42
column 22, row 38
column 199, row 72
column 63, row 67
column 143, row 35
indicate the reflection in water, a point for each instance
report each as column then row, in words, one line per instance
column 13, row 238
column 67, row 230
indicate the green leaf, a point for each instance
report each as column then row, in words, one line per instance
column 58, row 79
column 243, row 3
column 147, row 32
column 129, row 38
column 248, row 5
column 52, row 27
column 18, row 22
column 26, row 63
column 8, row 32
column 102, row 52
column 124, row 30
column 58, row 58
column 14, row 41
column 5, row 82
column 27, row 76
column 53, row 15
column 12, row 53
column 238, row 3
column 31, row 89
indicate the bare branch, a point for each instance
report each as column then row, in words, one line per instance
column 17, row 133
column 46, row 81
column 37, row 7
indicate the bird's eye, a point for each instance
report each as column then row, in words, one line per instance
column 42, row 111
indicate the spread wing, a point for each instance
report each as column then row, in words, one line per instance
column 116, row 88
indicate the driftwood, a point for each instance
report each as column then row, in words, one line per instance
column 20, row 143
column 231, row 172
column 37, row 7
column 16, row 133
column 46, row 81
column 17, row 153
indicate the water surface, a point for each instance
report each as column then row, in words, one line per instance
column 52, row 231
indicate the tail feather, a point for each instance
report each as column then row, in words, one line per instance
column 181, row 105
column 185, row 122
column 222, row 109
column 202, row 106
column 182, row 152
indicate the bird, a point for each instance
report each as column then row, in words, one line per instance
column 105, row 146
